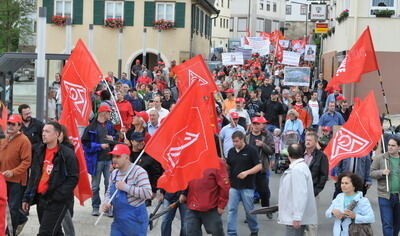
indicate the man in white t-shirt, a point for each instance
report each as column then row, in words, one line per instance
column 157, row 106
column 315, row 109
column 242, row 112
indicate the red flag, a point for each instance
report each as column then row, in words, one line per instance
column 3, row 205
column 298, row 45
column 79, row 77
column 359, row 134
column 266, row 35
column 192, row 70
column 68, row 119
column 184, row 144
column 359, row 60
column 276, row 36
column 3, row 117
column 278, row 52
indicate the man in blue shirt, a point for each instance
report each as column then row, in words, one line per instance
column 331, row 117
column 226, row 132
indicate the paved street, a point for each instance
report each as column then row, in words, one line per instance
column 84, row 222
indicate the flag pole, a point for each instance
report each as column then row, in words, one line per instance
column 384, row 151
column 123, row 180
column 116, row 107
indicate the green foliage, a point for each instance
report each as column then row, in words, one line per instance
column 14, row 22
column 384, row 13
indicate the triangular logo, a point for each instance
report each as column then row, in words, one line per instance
column 193, row 76
column 346, row 142
column 78, row 95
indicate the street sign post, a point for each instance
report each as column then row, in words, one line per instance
column 321, row 28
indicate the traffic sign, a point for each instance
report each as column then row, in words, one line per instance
column 321, row 28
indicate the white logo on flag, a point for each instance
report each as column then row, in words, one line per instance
column 346, row 142
column 174, row 152
column 78, row 95
column 193, row 76
column 342, row 67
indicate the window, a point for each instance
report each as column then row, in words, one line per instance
column 268, row 6
column 222, row 3
column 242, row 25
column 220, row 22
column 215, row 22
column 303, row 9
column 261, row 4
column 274, row 7
column 63, row 8
column 260, row 25
column 165, row 11
column 231, row 24
column 114, row 10
column 229, row 3
column 383, row 3
column 227, row 23
column 288, row 9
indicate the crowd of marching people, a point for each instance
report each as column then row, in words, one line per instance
column 264, row 127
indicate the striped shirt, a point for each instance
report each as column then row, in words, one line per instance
column 138, row 187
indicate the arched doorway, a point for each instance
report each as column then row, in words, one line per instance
column 151, row 60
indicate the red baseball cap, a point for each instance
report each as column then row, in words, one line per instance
column 240, row 100
column 229, row 91
column 341, row 98
column 103, row 108
column 161, row 63
column 234, row 115
column 259, row 119
column 120, row 149
column 326, row 128
column 244, row 87
column 144, row 115
column 108, row 79
column 15, row 119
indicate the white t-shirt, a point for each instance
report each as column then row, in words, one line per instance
column 162, row 113
column 315, row 111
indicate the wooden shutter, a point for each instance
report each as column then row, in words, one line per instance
column 98, row 12
column 49, row 4
column 77, row 12
column 149, row 13
column 129, row 12
column 180, row 10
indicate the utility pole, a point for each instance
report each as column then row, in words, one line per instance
column 41, row 63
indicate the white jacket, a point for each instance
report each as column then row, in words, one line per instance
column 296, row 195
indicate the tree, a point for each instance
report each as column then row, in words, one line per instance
column 15, row 23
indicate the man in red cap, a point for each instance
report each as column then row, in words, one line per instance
column 226, row 132
column 96, row 140
column 15, row 160
column 242, row 113
column 229, row 102
column 332, row 97
column 133, row 186
column 263, row 141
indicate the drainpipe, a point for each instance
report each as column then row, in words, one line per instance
column 192, row 29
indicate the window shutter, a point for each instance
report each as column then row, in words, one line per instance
column 149, row 13
column 49, row 4
column 197, row 21
column 180, row 10
column 201, row 22
column 77, row 17
column 129, row 9
column 98, row 12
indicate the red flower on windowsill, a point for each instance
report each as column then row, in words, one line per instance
column 114, row 23
column 163, row 24
column 59, row 20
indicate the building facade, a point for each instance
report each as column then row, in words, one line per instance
column 385, row 31
column 297, row 22
column 113, row 47
column 256, row 16
column 221, row 25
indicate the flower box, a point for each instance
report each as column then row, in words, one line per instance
column 114, row 23
column 163, row 24
column 383, row 13
column 59, row 20
column 343, row 16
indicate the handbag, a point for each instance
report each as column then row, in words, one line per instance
column 360, row 229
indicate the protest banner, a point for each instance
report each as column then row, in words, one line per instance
column 297, row 76
column 310, row 52
column 232, row 58
column 291, row 58
column 259, row 45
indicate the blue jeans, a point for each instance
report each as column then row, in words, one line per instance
column 15, row 194
column 166, row 225
column 102, row 168
column 390, row 215
column 246, row 196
